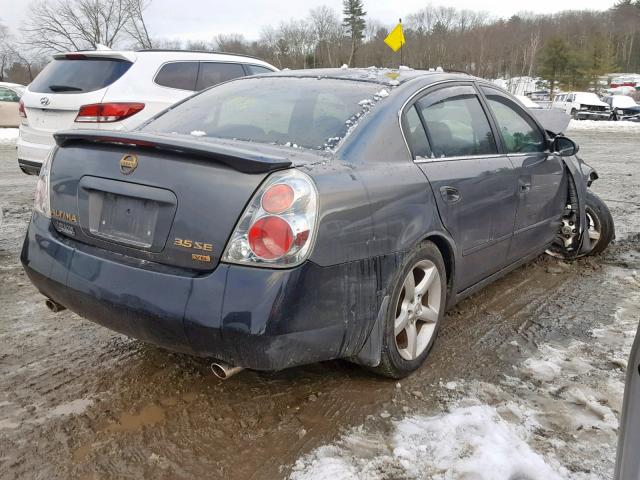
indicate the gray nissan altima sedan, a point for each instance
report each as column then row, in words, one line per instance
column 302, row 216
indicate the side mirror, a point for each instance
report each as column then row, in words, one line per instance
column 564, row 147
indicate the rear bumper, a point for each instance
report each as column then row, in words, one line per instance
column 32, row 154
column 255, row 318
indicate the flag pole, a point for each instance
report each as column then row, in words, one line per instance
column 401, row 45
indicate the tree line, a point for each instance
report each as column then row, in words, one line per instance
column 572, row 49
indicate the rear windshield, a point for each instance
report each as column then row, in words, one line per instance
column 79, row 75
column 303, row 112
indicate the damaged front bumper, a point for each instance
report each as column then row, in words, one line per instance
column 251, row 317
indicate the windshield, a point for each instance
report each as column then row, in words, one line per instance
column 79, row 75
column 300, row 112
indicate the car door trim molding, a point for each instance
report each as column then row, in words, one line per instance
column 461, row 157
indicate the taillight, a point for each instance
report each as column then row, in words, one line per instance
column 107, row 112
column 21, row 110
column 278, row 227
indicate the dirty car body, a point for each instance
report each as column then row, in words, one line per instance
column 147, row 232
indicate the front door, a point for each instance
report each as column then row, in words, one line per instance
column 473, row 184
column 541, row 186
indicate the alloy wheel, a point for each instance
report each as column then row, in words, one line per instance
column 417, row 310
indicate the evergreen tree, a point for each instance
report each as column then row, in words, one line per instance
column 355, row 24
column 554, row 60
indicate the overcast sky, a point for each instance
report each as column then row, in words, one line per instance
column 202, row 19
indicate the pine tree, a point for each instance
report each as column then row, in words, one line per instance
column 553, row 61
column 354, row 21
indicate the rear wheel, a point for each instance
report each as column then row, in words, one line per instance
column 415, row 312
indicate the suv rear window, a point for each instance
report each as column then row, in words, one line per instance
column 79, row 75
column 307, row 112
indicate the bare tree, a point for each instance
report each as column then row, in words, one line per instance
column 328, row 31
column 6, row 51
column 65, row 25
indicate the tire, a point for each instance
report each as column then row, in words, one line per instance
column 574, row 114
column 421, row 314
column 601, row 227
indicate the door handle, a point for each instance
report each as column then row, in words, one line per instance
column 525, row 187
column 450, row 194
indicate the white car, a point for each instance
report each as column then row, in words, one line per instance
column 114, row 90
column 582, row 106
column 10, row 94
column 527, row 102
column 623, row 108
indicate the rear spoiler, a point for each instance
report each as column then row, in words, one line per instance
column 114, row 54
column 241, row 159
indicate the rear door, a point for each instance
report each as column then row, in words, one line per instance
column 474, row 185
column 541, row 185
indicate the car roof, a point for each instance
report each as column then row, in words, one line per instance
column 11, row 85
column 383, row 76
column 132, row 55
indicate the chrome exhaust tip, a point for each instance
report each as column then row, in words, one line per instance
column 54, row 306
column 223, row 370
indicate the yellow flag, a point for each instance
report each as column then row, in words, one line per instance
column 396, row 38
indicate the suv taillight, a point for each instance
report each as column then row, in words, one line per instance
column 21, row 109
column 107, row 112
column 277, row 229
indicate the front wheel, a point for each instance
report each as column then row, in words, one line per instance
column 600, row 224
column 415, row 312
column 600, row 229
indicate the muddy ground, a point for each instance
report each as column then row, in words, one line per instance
column 78, row 401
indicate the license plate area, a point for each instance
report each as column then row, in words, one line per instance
column 123, row 219
column 129, row 214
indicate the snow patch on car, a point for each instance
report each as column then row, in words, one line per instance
column 8, row 135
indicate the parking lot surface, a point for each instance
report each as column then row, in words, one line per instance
column 79, row 401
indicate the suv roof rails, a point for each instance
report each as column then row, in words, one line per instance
column 178, row 50
column 451, row 70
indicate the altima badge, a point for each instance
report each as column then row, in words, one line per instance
column 44, row 101
column 128, row 164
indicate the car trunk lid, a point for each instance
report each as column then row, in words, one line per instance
column 173, row 201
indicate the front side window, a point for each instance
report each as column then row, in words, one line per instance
column 212, row 73
column 519, row 133
column 7, row 95
column 180, row 75
column 456, row 123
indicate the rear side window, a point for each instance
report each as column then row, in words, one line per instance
column 181, row 75
column 213, row 73
column 520, row 133
column 457, row 123
column 257, row 70
column 79, row 75
column 416, row 136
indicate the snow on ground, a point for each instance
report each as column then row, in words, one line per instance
column 553, row 419
column 8, row 135
column 603, row 125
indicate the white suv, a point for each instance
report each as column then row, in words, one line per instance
column 582, row 105
column 113, row 90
